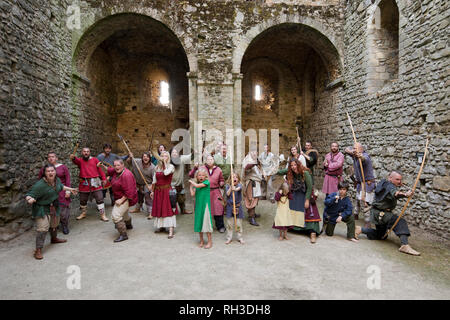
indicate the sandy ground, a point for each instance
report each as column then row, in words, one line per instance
column 151, row 266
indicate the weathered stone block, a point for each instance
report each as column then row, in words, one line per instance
column 441, row 183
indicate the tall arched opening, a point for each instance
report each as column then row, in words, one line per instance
column 131, row 78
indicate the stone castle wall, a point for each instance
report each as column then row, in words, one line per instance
column 60, row 86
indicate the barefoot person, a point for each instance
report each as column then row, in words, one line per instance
column 234, row 185
column 338, row 208
column 125, row 194
column 216, row 182
column 382, row 215
column 202, row 217
column 62, row 172
column 283, row 218
column 44, row 196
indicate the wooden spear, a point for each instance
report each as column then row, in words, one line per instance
column 232, row 191
column 129, row 151
column 299, row 144
column 363, row 189
column 413, row 189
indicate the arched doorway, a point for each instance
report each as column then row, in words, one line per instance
column 294, row 68
column 133, row 72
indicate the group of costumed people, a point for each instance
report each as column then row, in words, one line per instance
column 157, row 179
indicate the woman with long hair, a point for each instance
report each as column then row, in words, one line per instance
column 162, row 208
column 300, row 185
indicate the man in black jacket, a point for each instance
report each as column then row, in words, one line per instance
column 382, row 215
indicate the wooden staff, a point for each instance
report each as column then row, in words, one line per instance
column 363, row 189
column 298, row 141
column 232, row 191
column 142, row 176
column 105, row 164
column 413, row 189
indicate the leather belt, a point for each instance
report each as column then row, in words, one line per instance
column 165, row 186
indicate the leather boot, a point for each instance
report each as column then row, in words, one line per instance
column 128, row 224
column 65, row 229
column 82, row 215
column 65, row 215
column 38, row 254
column 358, row 209
column 324, row 226
column 55, row 239
column 40, row 240
column 251, row 218
column 253, row 221
column 313, row 237
column 122, row 228
column 136, row 209
column 103, row 215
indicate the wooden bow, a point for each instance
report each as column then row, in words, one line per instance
column 363, row 189
column 412, row 192
column 76, row 148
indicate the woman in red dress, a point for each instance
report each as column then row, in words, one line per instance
column 162, row 208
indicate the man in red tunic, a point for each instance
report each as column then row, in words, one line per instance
column 124, row 190
column 92, row 180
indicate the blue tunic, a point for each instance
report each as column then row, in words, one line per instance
column 368, row 172
column 238, row 200
column 111, row 158
column 332, row 209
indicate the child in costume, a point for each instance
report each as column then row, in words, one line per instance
column 202, row 217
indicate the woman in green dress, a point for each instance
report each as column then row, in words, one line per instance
column 202, row 217
column 44, row 198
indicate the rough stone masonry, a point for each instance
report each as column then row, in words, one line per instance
column 83, row 71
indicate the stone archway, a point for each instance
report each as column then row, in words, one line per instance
column 120, row 65
column 242, row 42
column 310, row 69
